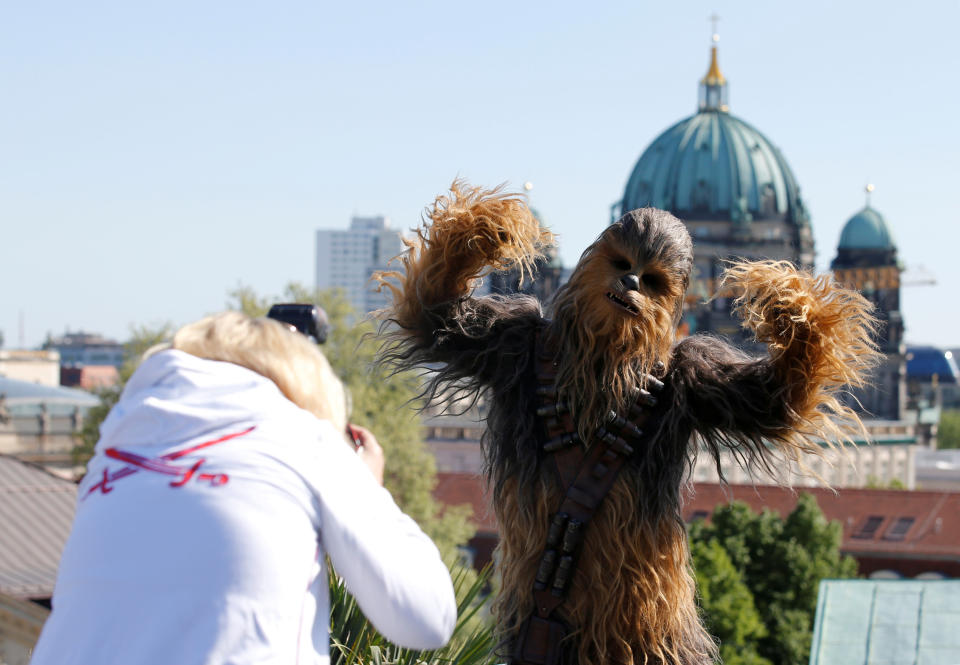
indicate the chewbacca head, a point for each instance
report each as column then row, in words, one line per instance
column 618, row 314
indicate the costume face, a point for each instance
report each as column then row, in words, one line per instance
column 617, row 316
column 629, row 284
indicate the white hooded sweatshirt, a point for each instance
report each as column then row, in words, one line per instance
column 202, row 525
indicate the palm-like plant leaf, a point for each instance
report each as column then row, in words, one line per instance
column 354, row 641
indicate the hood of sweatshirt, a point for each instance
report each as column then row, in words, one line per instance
column 175, row 397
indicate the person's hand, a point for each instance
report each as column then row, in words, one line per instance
column 369, row 450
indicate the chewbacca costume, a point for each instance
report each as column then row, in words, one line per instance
column 569, row 383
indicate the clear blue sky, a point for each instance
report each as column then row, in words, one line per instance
column 157, row 154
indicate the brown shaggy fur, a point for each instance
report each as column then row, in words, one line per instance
column 632, row 598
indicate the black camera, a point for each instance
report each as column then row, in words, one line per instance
column 307, row 319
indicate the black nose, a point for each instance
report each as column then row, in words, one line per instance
column 630, row 282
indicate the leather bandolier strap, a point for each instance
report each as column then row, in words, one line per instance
column 586, row 474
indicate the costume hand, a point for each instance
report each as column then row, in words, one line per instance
column 369, row 451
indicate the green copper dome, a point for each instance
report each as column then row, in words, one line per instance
column 867, row 230
column 714, row 165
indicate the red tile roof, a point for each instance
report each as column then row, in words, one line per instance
column 934, row 531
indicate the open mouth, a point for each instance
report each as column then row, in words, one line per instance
column 623, row 304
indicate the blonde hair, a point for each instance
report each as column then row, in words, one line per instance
column 273, row 350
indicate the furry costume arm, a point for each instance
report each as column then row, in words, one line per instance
column 819, row 337
column 471, row 232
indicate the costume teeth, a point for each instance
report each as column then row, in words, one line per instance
column 623, row 303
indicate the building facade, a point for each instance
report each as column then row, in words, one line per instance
column 38, row 423
column 41, row 367
column 867, row 261
column 79, row 349
column 346, row 259
column 889, row 460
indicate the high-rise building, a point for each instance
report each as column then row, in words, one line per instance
column 346, row 259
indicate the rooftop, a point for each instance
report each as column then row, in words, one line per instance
column 876, row 522
column 881, row 622
column 36, row 513
column 26, row 397
column 79, row 339
column 867, row 230
column 925, row 362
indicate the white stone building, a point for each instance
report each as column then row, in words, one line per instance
column 888, row 460
column 42, row 367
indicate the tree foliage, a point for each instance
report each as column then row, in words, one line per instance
column 728, row 606
column 948, row 432
column 874, row 483
column 355, row 641
column 781, row 562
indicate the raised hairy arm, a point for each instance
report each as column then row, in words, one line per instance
column 468, row 233
column 820, row 340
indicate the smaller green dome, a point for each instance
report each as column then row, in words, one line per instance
column 867, row 230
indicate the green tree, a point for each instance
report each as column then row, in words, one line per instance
column 782, row 562
column 948, row 433
column 383, row 402
column 727, row 605
column 874, row 483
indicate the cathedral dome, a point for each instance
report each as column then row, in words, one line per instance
column 867, row 230
column 714, row 165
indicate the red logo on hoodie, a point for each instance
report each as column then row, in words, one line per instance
column 162, row 465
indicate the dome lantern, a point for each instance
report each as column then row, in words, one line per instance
column 713, row 86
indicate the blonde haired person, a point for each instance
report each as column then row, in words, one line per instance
column 222, row 478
